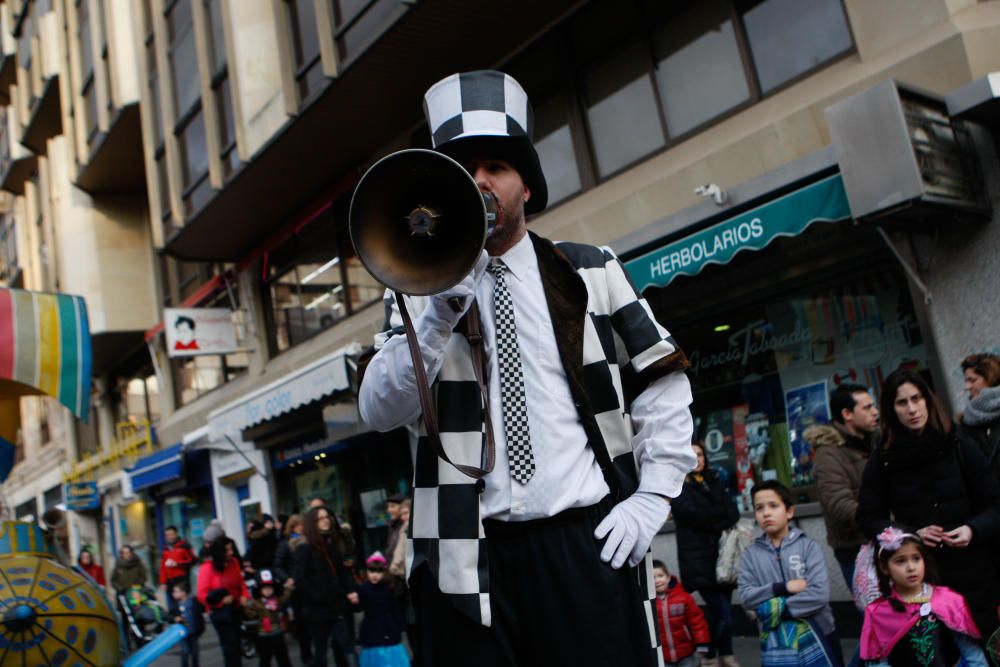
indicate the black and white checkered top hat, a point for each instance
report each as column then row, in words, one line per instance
column 487, row 110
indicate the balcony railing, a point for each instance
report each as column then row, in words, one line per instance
column 132, row 440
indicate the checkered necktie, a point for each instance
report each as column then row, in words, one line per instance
column 515, row 409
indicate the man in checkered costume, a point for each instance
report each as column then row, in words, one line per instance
column 544, row 560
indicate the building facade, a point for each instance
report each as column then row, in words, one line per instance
column 202, row 153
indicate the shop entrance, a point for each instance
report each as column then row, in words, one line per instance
column 770, row 334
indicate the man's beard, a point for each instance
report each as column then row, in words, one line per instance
column 510, row 219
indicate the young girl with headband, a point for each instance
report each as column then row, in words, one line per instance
column 916, row 622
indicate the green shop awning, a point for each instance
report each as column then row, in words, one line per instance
column 788, row 215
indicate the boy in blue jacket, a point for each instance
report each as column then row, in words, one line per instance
column 783, row 579
column 190, row 613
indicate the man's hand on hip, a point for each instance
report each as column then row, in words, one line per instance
column 630, row 527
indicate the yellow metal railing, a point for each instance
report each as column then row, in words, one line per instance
column 132, row 440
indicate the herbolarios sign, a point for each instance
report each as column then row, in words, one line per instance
column 196, row 331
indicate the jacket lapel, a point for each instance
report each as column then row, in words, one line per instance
column 566, row 295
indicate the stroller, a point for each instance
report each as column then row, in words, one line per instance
column 144, row 617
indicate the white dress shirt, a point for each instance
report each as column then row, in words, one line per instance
column 566, row 474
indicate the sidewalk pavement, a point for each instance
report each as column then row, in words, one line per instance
column 746, row 649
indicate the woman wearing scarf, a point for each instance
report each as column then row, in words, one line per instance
column 326, row 589
column 929, row 481
column 701, row 512
column 981, row 420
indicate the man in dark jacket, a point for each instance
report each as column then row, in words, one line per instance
column 842, row 450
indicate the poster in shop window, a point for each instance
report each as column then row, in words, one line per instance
column 719, row 452
column 373, row 505
column 805, row 406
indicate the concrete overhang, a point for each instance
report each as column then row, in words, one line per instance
column 45, row 120
column 377, row 97
column 977, row 101
column 8, row 76
column 16, row 173
column 114, row 165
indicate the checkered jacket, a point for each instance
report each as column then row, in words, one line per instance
column 611, row 348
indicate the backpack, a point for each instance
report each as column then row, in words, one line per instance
column 732, row 543
column 864, row 586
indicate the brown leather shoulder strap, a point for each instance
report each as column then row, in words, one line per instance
column 473, row 333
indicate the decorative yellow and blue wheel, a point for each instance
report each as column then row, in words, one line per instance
column 50, row 615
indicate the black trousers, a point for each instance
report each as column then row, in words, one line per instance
column 554, row 602
column 229, row 639
column 326, row 634
column 272, row 646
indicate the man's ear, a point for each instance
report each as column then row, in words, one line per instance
column 845, row 413
column 527, row 194
column 791, row 512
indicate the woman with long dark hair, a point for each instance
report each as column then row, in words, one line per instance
column 326, row 589
column 222, row 591
column 923, row 477
column 981, row 419
column 701, row 512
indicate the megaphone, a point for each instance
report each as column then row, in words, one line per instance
column 53, row 518
column 419, row 222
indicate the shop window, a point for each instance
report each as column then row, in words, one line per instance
column 104, row 54
column 89, row 109
column 556, row 150
column 357, row 23
column 789, row 38
column 762, row 370
column 194, row 161
column 27, row 511
column 52, row 498
column 182, row 55
column 221, row 94
column 308, row 73
column 314, row 279
column 88, row 438
column 88, row 89
column 138, row 399
column 700, row 74
column 622, row 111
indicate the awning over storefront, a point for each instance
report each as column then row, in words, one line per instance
column 45, row 348
column 788, row 215
column 322, row 377
column 165, row 465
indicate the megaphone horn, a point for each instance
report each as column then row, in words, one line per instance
column 53, row 518
column 419, row 222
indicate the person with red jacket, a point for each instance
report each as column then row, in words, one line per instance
column 223, row 592
column 87, row 563
column 683, row 628
column 177, row 560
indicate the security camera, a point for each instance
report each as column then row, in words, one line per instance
column 718, row 195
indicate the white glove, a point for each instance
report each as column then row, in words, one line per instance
column 630, row 527
column 462, row 294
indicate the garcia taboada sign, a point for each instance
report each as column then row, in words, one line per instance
column 195, row 331
column 788, row 215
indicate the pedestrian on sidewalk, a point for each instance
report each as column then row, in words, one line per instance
column 701, row 512
column 223, row 592
column 324, row 583
column 190, row 613
column 270, row 608
column 86, row 562
column 784, row 580
column 381, row 635
column 682, row 625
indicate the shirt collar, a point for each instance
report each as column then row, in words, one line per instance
column 520, row 258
